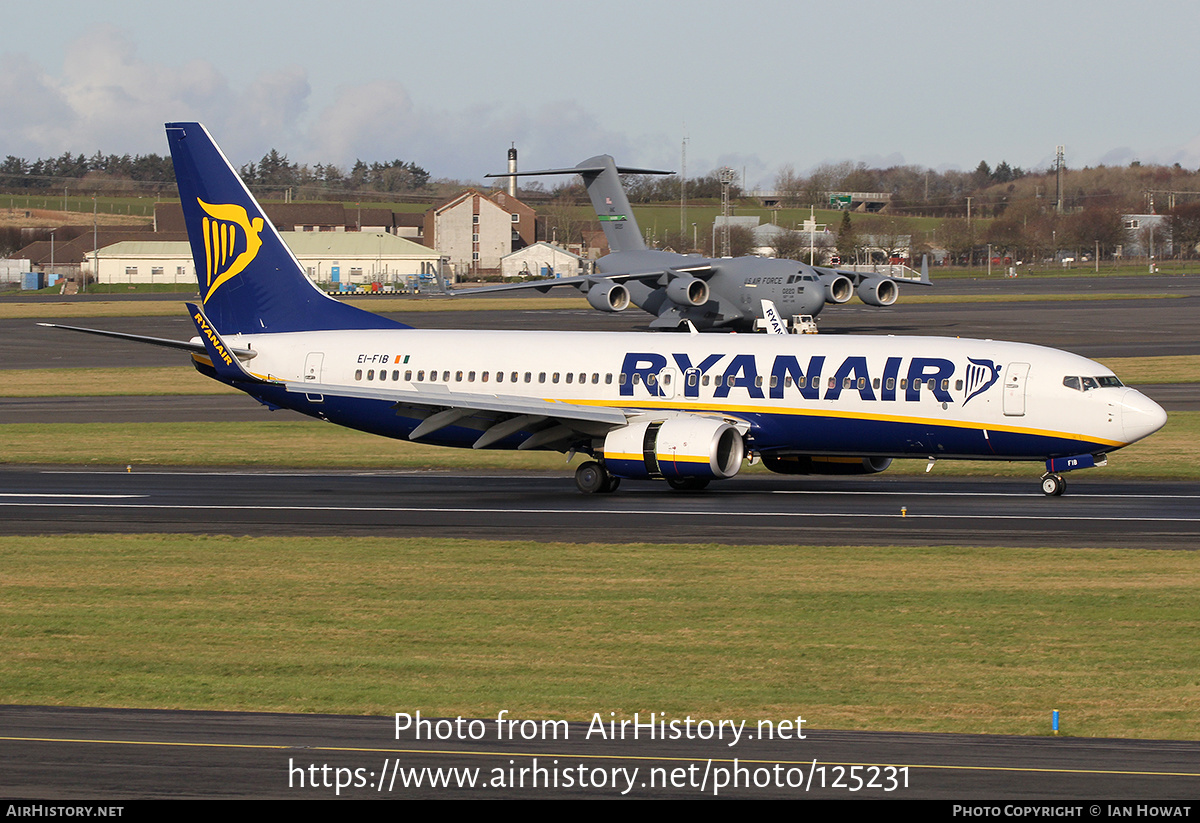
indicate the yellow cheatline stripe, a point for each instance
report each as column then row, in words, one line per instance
column 700, row 408
column 573, row 756
column 207, row 361
column 662, row 457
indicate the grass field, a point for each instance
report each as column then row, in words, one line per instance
column 933, row 639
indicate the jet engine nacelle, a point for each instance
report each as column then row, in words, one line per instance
column 608, row 297
column 838, row 288
column 878, row 291
column 676, row 448
column 687, row 291
column 807, row 464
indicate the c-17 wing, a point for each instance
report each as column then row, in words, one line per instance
column 858, row 277
column 585, row 281
column 605, row 291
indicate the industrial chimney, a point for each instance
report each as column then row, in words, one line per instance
column 512, row 169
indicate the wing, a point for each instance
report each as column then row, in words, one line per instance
column 551, row 423
column 585, row 282
column 857, row 277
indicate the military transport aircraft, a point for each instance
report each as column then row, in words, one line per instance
column 685, row 408
column 708, row 293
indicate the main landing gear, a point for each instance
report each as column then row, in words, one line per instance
column 593, row 478
column 1053, row 485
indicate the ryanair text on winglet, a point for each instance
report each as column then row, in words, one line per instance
column 218, row 346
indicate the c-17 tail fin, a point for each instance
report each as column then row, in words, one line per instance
column 250, row 282
column 602, row 179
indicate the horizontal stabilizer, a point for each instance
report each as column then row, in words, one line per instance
column 182, row 345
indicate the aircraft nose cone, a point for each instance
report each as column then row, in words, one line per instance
column 1140, row 416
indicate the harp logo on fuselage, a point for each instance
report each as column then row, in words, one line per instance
column 231, row 243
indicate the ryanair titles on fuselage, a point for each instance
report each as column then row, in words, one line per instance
column 901, row 378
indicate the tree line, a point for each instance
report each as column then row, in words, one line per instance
column 156, row 172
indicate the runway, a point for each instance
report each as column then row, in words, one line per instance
column 1132, row 326
column 65, row 753
column 118, row 754
column 753, row 509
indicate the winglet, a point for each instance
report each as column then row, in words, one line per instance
column 227, row 365
column 925, row 270
column 772, row 322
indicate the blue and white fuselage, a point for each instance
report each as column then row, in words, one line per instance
column 687, row 409
column 861, row 397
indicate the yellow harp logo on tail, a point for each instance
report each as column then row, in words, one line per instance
column 231, row 242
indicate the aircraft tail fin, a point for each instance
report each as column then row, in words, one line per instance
column 250, row 282
column 602, row 179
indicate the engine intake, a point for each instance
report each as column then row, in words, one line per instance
column 838, row 288
column 608, row 297
column 878, row 291
column 687, row 291
column 676, row 448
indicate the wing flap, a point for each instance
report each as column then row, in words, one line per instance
column 504, row 404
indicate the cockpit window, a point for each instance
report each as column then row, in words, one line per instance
column 1110, row 381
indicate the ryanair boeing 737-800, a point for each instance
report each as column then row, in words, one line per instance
column 683, row 408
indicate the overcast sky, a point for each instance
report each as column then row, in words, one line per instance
column 753, row 85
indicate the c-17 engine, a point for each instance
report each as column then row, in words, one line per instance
column 608, row 296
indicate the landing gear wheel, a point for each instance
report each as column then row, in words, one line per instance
column 591, row 478
column 1053, row 485
column 687, row 484
column 611, row 486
